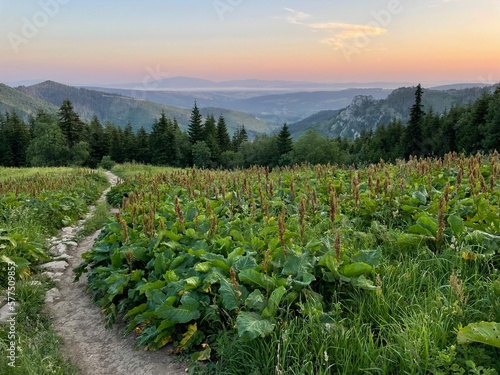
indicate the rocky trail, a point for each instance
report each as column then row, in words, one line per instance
column 94, row 349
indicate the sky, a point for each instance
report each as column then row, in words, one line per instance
column 104, row 41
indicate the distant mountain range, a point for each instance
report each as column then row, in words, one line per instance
column 344, row 113
column 274, row 108
column 117, row 109
column 367, row 113
column 24, row 105
column 199, row 84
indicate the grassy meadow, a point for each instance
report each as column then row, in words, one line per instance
column 385, row 269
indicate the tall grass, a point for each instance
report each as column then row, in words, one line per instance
column 407, row 326
column 37, row 343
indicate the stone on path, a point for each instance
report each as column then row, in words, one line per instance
column 52, row 295
column 60, row 265
column 59, row 249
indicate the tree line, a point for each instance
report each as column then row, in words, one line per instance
column 64, row 139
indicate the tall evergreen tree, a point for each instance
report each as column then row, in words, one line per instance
column 97, row 142
column 143, row 152
column 210, row 137
column 15, row 136
column 492, row 127
column 195, row 129
column 240, row 136
column 128, row 144
column 284, row 140
column 223, row 138
column 447, row 135
column 162, row 142
column 413, row 131
column 70, row 123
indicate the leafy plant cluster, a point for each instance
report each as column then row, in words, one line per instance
column 194, row 253
column 35, row 206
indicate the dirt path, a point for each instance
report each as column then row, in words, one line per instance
column 94, row 349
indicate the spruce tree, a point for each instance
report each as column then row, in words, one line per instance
column 128, row 144
column 97, row 144
column 195, row 129
column 413, row 131
column 70, row 123
column 284, row 140
column 143, row 152
column 210, row 137
column 223, row 138
column 15, row 136
column 162, row 142
column 240, row 136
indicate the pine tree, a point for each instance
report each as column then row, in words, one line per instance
column 143, row 152
column 284, row 141
column 240, row 136
column 70, row 123
column 128, row 144
column 162, row 142
column 195, row 129
column 413, row 131
column 15, row 136
column 492, row 127
column 210, row 137
column 97, row 143
column 223, row 138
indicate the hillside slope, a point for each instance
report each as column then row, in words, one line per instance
column 24, row 105
column 367, row 113
column 274, row 108
column 120, row 110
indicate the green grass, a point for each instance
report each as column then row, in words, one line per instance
column 37, row 343
column 406, row 327
column 13, row 173
column 25, row 225
column 96, row 221
column 132, row 169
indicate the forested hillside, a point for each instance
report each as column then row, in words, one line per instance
column 24, row 105
column 123, row 110
column 274, row 108
column 66, row 139
column 366, row 113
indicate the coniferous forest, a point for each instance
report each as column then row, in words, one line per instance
column 65, row 139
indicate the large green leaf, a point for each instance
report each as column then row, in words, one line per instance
column 251, row 276
column 296, row 265
column 273, row 303
column 251, row 325
column 457, row 224
column 245, row 263
column 256, row 301
column 230, row 296
column 151, row 286
column 371, row 257
column 185, row 313
column 356, row 269
column 484, row 332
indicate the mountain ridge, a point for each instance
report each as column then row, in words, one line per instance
column 121, row 110
column 366, row 113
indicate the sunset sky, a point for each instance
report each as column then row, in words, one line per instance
column 97, row 42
